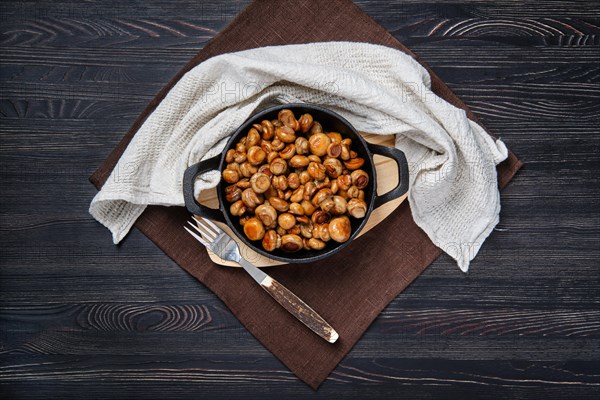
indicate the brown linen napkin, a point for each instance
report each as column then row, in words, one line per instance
column 348, row 289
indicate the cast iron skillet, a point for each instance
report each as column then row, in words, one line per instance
column 330, row 122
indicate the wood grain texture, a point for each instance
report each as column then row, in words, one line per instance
column 81, row 317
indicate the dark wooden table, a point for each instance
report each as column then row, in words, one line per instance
column 81, row 317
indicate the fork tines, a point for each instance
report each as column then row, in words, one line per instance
column 206, row 228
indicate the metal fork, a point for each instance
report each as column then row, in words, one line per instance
column 225, row 247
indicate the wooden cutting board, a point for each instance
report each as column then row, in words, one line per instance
column 387, row 179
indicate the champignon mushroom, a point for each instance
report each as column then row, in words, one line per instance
column 306, row 122
column 271, row 241
column 340, row 229
column 230, row 176
column 285, row 134
column 251, row 199
column 237, row 208
column 333, row 167
column 268, row 130
column 360, row 178
column 340, row 206
column 288, row 119
column 318, row 144
column 278, row 166
column 291, row 243
column 267, row 214
column 254, row 229
column 233, row 193
column 357, row 208
column 256, row 155
column 286, row 220
column 260, row 182
column 316, row 171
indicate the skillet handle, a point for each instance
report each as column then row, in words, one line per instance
column 402, row 186
column 189, row 177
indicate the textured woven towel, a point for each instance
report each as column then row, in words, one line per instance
column 454, row 194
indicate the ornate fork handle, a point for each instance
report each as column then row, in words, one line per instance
column 225, row 247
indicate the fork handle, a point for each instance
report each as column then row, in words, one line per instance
column 299, row 309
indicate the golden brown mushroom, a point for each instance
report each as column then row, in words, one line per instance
column 327, row 205
column 314, row 158
column 243, row 183
column 306, row 122
column 285, row 134
column 345, row 153
column 254, row 229
column 271, row 241
column 237, row 208
column 279, row 182
column 309, row 189
column 333, row 167
column 286, row 220
column 264, row 169
column 316, row 244
column 306, row 230
column 253, row 138
column 344, row 181
column 279, row 204
column 320, row 217
column 288, row 152
column 277, row 144
column 316, row 171
column 278, row 166
column 267, row 214
column 318, row 144
column 353, row 192
column 299, row 161
column 354, row 163
column 268, row 130
column 256, row 155
column 321, row 231
column 304, row 177
column 288, row 119
column 335, row 137
column 233, row 193
column 293, row 180
column 360, row 178
column 291, row 243
column 297, row 195
column 322, row 195
column 230, row 176
column 251, row 199
column 229, row 156
column 247, row 169
column 308, row 207
column 340, row 206
column 334, row 150
column 316, row 128
column 357, row 208
column 296, row 209
column 260, row 182
column 340, row 229
column 301, row 144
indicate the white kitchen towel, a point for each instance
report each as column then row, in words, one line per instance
column 453, row 191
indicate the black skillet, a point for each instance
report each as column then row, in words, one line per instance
column 330, row 122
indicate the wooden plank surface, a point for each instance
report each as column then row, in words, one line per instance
column 81, row 317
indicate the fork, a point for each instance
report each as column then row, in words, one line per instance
column 220, row 243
